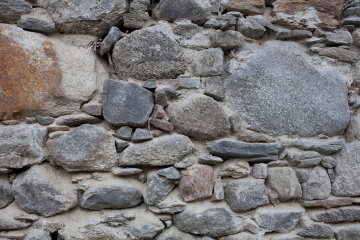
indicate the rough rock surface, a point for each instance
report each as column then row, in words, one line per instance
column 210, row 62
column 136, row 55
column 163, row 151
column 86, row 148
column 36, row 25
column 235, row 168
column 277, row 86
column 247, row 7
column 284, row 181
column 115, row 197
column 351, row 232
column 6, row 196
column 158, row 188
column 208, row 221
column 318, row 185
column 44, row 190
column 317, row 230
column 199, row 117
column 335, row 215
column 11, row 10
column 121, row 107
column 77, row 120
column 21, row 146
column 8, row 221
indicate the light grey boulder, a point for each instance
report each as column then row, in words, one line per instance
column 6, row 196
column 77, row 120
column 86, row 148
column 135, row 56
column 285, row 183
column 245, row 194
column 109, row 41
column 163, row 151
column 8, row 221
column 339, row 37
column 259, row 171
column 214, row 88
column 44, row 190
column 250, row 28
column 318, row 186
column 208, row 221
column 158, row 188
column 270, row 93
column 210, row 62
column 200, row 117
column 111, row 197
column 147, row 230
column 86, row 17
column 38, row 234
column 36, row 25
column 122, row 108
column 227, row 40
column 21, row 146
column 317, row 230
column 11, row 10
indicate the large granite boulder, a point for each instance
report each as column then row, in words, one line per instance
column 44, row 190
column 280, row 91
column 86, row 148
column 149, row 53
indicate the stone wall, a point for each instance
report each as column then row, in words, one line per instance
column 179, row 120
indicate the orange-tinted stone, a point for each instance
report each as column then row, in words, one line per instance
column 247, row 7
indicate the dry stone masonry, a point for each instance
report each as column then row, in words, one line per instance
column 179, row 120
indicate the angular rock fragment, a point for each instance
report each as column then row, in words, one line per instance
column 162, row 94
column 330, row 203
column 77, row 120
column 36, row 25
column 284, row 181
column 247, row 7
column 259, row 171
column 317, row 230
column 161, row 125
column 187, row 162
column 251, row 152
column 6, row 196
column 158, row 188
column 209, row 63
column 339, row 37
column 141, row 135
column 37, row 190
column 196, row 182
column 118, row 219
column 21, row 146
column 218, row 194
column 125, row 171
column 38, row 234
column 174, row 235
column 328, row 162
column 111, row 197
column 109, row 41
column 11, row 10
column 245, row 194
column 304, row 159
column 342, row 214
column 200, row 117
column 44, row 120
column 158, row 112
column 135, row 56
column 135, row 19
column 326, row 147
column 120, row 145
column 168, row 207
column 208, row 221
column 163, row 151
column 121, row 107
column 187, row 83
column 86, row 148
column 214, row 88
column 124, row 133
column 208, row 159
column 146, row 230
column 273, row 197
column 235, row 168
column 250, row 28
column 150, row 84
column 227, row 40
column 302, row 174
column 170, row 173
column 339, row 53
column 318, row 185
column 251, row 136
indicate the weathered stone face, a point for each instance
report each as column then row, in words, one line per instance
column 247, row 7
column 11, row 10
column 158, row 188
column 6, row 196
column 284, row 181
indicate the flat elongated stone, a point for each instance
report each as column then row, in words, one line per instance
column 345, row 233
column 196, row 182
column 161, row 125
column 326, row 147
column 186, row 83
column 170, row 173
column 330, row 203
column 317, row 230
column 251, row 152
column 37, row 190
column 247, row 7
column 158, row 188
column 342, row 54
column 174, row 235
column 342, row 214
column 284, row 181
column 21, row 146
column 251, row 136
column 208, row 159
column 318, row 185
column 168, row 207
column 245, row 194
column 36, row 25
column 146, row 230
column 121, row 107
column 208, row 221
column 126, row 171
column 111, row 197
column 163, row 151
column 339, row 37
column 11, row 10
column 77, row 120
column 86, row 148
column 218, row 194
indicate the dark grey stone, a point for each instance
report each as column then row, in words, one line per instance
column 170, row 173
column 36, row 25
column 317, row 230
column 150, row 84
column 285, row 183
column 245, row 194
column 335, row 215
column 118, row 219
column 44, row 120
column 345, row 233
column 250, row 27
column 302, row 174
column 126, row 171
column 158, row 188
column 44, row 190
column 262, row 85
column 210, row 62
column 163, row 151
column 146, row 230
column 185, row 28
column 208, row 159
column 6, row 196
column 121, row 107
column 21, row 146
column 86, row 148
column 351, row 21
column 169, row 208
column 251, row 152
column 77, row 120
column 283, row 34
column 94, row 109
column 318, row 186
column 162, row 94
column 135, row 20
column 208, row 221
column 186, row 83
column 323, row 146
column 227, row 40
column 352, row 11
column 86, row 17
column 109, row 41
column 141, row 135
column 11, row 10
column 213, row 23
column 124, row 133
column 214, row 88
column 135, row 55
column 120, row 145
column 111, row 197
column 339, row 37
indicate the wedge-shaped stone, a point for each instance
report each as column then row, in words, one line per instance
column 86, row 148
column 163, row 151
column 158, row 188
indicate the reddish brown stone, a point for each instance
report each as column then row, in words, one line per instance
column 247, row 7
column 159, row 112
column 330, row 203
column 328, row 12
column 197, row 182
column 161, row 125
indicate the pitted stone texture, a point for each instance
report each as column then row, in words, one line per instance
column 86, row 148
column 234, row 168
column 342, row 54
column 317, row 230
column 6, row 196
column 111, row 197
column 336, row 215
column 350, row 232
column 196, row 182
column 247, row 7
column 11, row 10
column 323, row 146
column 347, row 171
column 210, row 62
column 250, row 27
column 136, row 55
column 318, row 185
column 158, row 188
column 227, row 40
column 245, row 194
column 284, row 181
column 163, row 151
column 86, row 17
column 208, row 221
column 21, row 145
column 200, row 117
column 127, row 104
column 171, row 10
column 146, row 230
column 270, row 92
column 44, row 190
column 339, row 37
column 59, row 77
